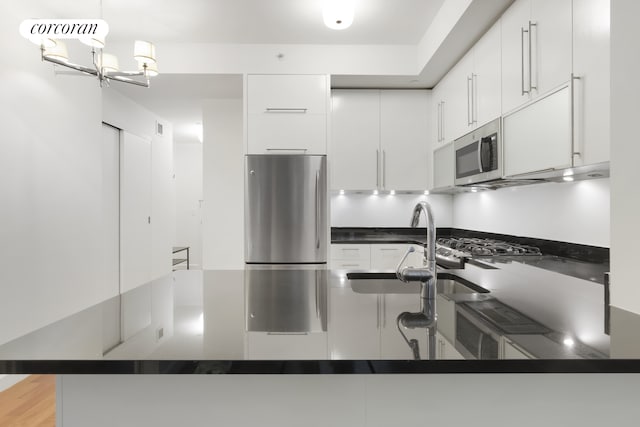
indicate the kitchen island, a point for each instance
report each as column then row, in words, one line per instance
column 318, row 321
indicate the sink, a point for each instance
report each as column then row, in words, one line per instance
column 387, row 283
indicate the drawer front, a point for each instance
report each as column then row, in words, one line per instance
column 350, row 264
column 283, row 94
column 289, row 133
column 387, row 257
column 351, row 252
column 266, row 346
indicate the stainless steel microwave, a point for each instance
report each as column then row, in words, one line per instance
column 478, row 155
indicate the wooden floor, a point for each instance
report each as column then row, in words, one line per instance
column 29, row 403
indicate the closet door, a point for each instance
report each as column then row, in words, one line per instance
column 135, row 211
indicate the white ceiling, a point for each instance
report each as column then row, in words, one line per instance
column 266, row 21
column 179, row 98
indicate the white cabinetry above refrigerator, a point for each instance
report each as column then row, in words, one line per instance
column 287, row 114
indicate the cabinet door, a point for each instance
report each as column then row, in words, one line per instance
column 591, row 91
column 511, row 351
column 515, row 74
column 446, row 349
column 353, row 325
column 267, row 346
column 487, row 84
column 287, row 113
column 443, row 167
column 404, row 116
column 392, row 344
column 354, row 148
column 387, row 256
column 287, row 92
column 457, row 119
column 551, row 44
column 530, row 147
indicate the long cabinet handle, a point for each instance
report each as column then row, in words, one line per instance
column 469, row 102
column 285, row 110
column 575, row 141
column 442, row 119
column 522, row 31
column 474, row 98
column 288, row 149
column 531, row 86
column 377, row 168
column 384, row 169
column 317, row 210
column 438, row 118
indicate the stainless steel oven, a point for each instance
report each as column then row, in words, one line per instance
column 474, row 338
column 478, row 155
column 481, row 324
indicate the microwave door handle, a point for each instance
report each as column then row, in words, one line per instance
column 480, row 156
column 480, row 339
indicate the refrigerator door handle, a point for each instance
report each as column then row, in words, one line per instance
column 317, row 210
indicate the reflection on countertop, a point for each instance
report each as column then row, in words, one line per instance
column 313, row 315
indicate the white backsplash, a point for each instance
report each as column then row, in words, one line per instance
column 576, row 212
column 367, row 210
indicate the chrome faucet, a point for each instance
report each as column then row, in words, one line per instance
column 426, row 275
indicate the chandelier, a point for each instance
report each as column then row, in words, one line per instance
column 103, row 65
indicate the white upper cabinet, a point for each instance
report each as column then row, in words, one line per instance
column 287, row 114
column 380, row 140
column 591, row 86
column 536, row 49
column 404, row 141
column 355, row 141
column 486, row 81
column 469, row 95
column 443, row 167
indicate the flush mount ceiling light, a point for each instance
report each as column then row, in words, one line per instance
column 105, row 66
column 338, row 14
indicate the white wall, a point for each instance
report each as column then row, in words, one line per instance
column 223, row 189
column 51, row 256
column 576, row 212
column 188, row 167
column 625, row 152
column 367, row 210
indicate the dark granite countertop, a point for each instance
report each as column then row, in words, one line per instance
column 307, row 321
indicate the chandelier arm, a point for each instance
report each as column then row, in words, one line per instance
column 127, row 80
column 76, row 67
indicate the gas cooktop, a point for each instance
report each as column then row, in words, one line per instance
column 485, row 247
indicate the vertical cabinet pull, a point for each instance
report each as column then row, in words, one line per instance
column 469, row 101
column 530, row 33
column 522, row 31
column 474, row 99
column 384, row 169
column 442, row 121
column 439, row 114
column 377, row 168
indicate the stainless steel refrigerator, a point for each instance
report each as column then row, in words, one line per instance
column 286, row 243
column 286, row 209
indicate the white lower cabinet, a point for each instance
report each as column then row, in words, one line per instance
column 363, row 326
column 513, row 351
column 387, row 256
column 279, row 346
column 445, row 349
column 384, row 257
column 350, row 256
